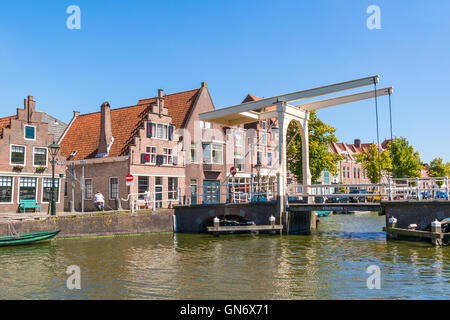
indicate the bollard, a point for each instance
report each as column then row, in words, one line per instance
column 392, row 222
column 436, row 226
column 216, row 222
column 272, row 220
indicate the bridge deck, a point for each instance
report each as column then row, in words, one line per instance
column 373, row 206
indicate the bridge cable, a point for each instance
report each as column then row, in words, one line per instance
column 378, row 132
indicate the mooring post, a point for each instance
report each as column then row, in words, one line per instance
column 436, row 228
column 392, row 222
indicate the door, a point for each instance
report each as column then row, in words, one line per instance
column 193, row 191
column 211, row 191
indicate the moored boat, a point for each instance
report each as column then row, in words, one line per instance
column 28, row 238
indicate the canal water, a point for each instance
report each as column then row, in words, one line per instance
column 331, row 264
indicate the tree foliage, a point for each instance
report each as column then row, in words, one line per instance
column 438, row 168
column 320, row 158
column 374, row 160
column 405, row 160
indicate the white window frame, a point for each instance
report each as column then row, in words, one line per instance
column 109, row 186
column 24, row 132
column 24, row 155
column 12, row 190
column 150, row 153
column 166, row 156
column 241, row 139
column 195, row 152
column 46, row 157
column 42, row 190
column 92, row 187
column 37, row 188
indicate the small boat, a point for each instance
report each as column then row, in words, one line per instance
column 28, row 238
column 323, row 213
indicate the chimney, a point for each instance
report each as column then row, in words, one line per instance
column 105, row 129
column 357, row 143
column 160, row 101
column 29, row 105
column 76, row 114
column 204, row 84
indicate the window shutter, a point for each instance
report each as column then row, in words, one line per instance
column 149, row 129
column 170, row 132
column 174, row 160
column 145, row 157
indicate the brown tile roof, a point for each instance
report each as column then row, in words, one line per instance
column 83, row 134
column 179, row 104
column 5, row 122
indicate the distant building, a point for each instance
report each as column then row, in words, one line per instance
column 25, row 169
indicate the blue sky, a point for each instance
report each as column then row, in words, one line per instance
column 126, row 50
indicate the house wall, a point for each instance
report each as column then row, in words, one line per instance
column 199, row 171
column 15, row 135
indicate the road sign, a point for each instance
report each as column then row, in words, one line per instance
column 129, row 179
column 233, row 171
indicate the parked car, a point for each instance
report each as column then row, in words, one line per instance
column 338, row 198
column 375, row 197
column 356, row 199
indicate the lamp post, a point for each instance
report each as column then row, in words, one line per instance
column 53, row 149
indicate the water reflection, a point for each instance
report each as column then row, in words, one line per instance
column 328, row 265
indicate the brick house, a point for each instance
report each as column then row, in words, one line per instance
column 263, row 136
column 145, row 140
column 25, row 169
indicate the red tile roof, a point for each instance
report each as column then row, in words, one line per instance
column 179, row 104
column 83, row 134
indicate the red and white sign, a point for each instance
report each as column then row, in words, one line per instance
column 233, row 171
column 129, row 179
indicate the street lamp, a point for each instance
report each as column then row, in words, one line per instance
column 53, row 150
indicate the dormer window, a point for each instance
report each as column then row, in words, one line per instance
column 30, row 133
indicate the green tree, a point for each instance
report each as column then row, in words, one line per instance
column 439, row 169
column 320, row 158
column 374, row 160
column 406, row 162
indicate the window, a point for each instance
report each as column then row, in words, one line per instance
column 205, row 125
column 113, row 188
column 193, row 152
column 88, row 189
column 6, row 189
column 359, row 173
column 17, row 155
column 263, row 124
column 152, row 152
column 259, row 157
column 269, row 159
column 263, row 137
column 27, row 188
column 40, row 157
column 158, row 192
column 142, row 186
column 47, row 190
column 173, row 188
column 354, row 173
column 162, row 131
column 65, row 189
column 239, row 162
column 30, row 133
column 238, row 138
column 167, row 156
column 212, row 153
